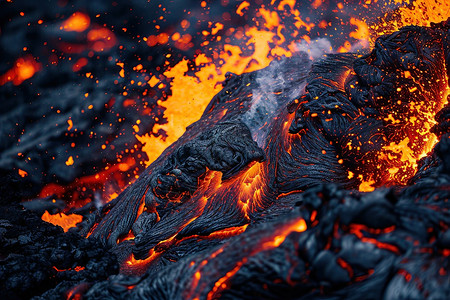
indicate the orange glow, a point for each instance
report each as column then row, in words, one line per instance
column 97, row 180
column 98, row 38
column 381, row 245
column 122, row 71
column 193, row 89
column 138, row 262
column 76, row 292
column 347, row 47
column 129, row 236
column 77, row 269
column 228, row 232
column 317, row 3
column 138, row 266
column 357, row 229
column 283, row 3
column 192, row 93
column 78, row 21
column 23, row 69
column 69, row 161
column 346, row 266
column 186, row 105
column 361, row 33
column 97, row 34
column 280, row 236
column 217, row 28
column 419, row 12
column 250, row 190
column 101, row 39
column 267, row 244
column 70, row 122
column 271, row 17
column 400, row 158
column 113, row 196
column 397, row 161
column 241, row 7
column 425, row 12
column 133, row 263
column 366, row 186
column 221, row 283
column 62, row 220
column 161, row 39
column 80, row 64
column 22, row 173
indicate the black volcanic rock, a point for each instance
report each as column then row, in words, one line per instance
column 35, row 256
column 217, row 220
column 310, row 234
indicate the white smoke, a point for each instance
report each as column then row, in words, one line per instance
column 265, row 103
column 316, row 48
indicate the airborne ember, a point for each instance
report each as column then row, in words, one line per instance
column 233, row 149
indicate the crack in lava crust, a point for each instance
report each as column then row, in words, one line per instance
column 350, row 121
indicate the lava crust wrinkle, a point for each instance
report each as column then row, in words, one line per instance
column 259, row 197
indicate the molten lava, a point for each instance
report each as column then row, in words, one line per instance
column 192, row 83
column 23, row 69
column 266, row 152
column 191, row 93
column 78, row 21
column 275, row 32
column 62, row 220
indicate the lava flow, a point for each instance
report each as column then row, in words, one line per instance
column 244, row 149
column 333, row 132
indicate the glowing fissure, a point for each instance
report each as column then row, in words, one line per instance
column 266, row 244
column 277, row 240
column 192, row 91
column 192, row 88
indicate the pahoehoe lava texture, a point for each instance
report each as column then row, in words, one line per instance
column 34, row 115
column 379, row 245
column 255, row 201
column 392, row 243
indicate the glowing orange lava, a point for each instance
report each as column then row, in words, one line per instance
column 77, row 269
column 63, row 220
column 419, row 13
column 78, row 21
column 22, row 173
column 278, row 239
column 23, row 69
column 267, row 244
column 401, row 157
column 101, row 39
column 191, row 93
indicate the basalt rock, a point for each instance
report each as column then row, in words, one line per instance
column 36, row 256
column 307, row 233
column 258, row 199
